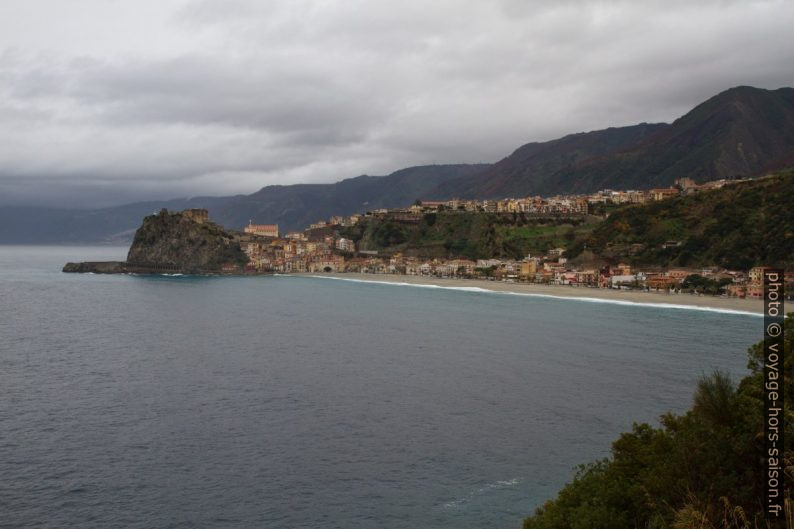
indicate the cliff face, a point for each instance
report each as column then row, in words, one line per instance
column 185, row 243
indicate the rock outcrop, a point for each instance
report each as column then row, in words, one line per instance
column 96, row 267
column 181, row 241
column 185, row 242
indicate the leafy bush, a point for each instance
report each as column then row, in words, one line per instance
column 702, row 470
column 704, row 285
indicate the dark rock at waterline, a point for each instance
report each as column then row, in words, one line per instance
column 96, row 267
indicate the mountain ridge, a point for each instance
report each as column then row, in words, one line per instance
column 290, row 206
column 503, row 178
column 742, row 131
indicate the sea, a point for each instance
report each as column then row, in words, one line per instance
column 308, row 402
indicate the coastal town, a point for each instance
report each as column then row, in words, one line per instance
column 322, row 248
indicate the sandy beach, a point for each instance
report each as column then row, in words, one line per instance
column 753, row 306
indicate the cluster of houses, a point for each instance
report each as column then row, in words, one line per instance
column 560, row 205
column 314, row 250
column 551, row 269
column 320, row 248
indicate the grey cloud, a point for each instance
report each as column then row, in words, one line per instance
column 204, row 90
column 253, row 93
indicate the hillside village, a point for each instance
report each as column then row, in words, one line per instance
column 322, row 248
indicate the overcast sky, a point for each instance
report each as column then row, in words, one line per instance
column 108, row 101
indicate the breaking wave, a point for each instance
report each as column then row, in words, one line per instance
column 481, row 290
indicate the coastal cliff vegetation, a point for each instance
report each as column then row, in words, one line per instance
column 737, row 227
column 699, row 470
column 470, row 235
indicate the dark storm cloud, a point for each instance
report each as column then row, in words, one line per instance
column 183, row 98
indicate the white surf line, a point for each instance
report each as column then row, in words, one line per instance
column 551, row 296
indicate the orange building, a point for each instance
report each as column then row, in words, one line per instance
column 755, row 285
column 263, row 230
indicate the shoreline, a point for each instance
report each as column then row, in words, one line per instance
column 753, row 307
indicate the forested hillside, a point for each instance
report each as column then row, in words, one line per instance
column 739, row 226
column 469, row 235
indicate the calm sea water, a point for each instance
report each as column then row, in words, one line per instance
column 270, row 402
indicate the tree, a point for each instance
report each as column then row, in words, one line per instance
column 702, row 469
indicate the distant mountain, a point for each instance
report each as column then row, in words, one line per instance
column 743, row 131
column 291, row 207
column 534, row 168
column 297, row 206
column 41, row 225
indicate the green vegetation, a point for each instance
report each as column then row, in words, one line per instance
column 704, row 285
column 470, row 235
column 700, row 470
column 737, row 227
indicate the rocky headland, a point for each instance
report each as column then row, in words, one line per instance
column 183, row 242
